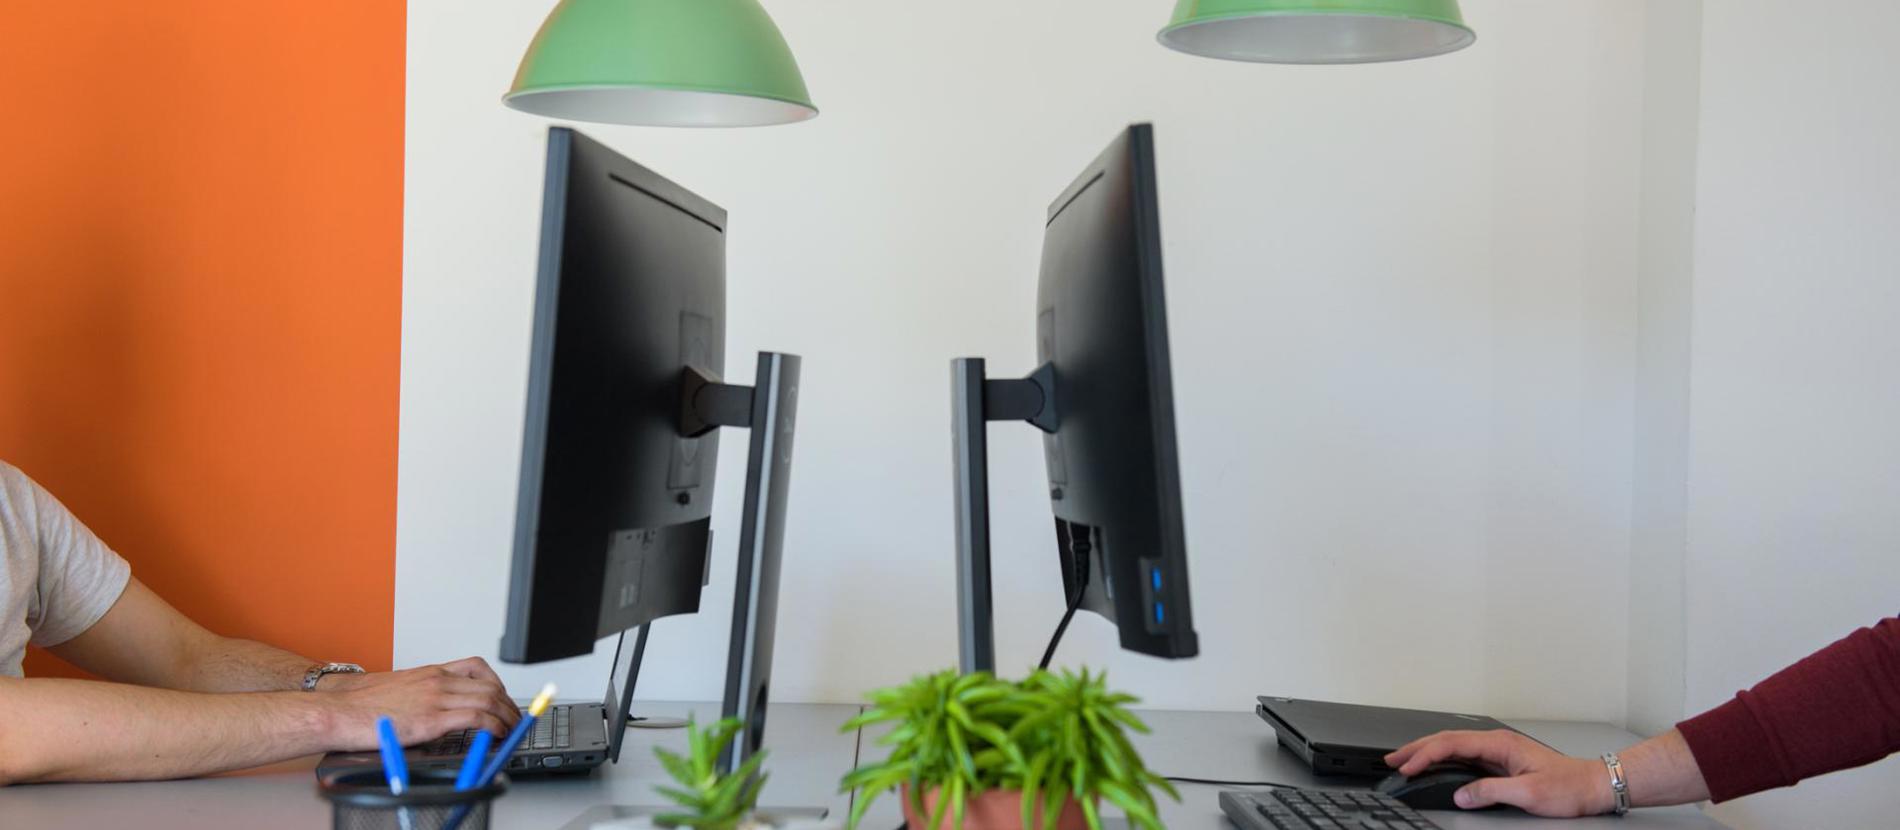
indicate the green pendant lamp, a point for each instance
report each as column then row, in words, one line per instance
column 1317, row 31
column 662, row 63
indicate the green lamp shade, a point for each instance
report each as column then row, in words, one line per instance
column 1317, row 31
column 663, row 63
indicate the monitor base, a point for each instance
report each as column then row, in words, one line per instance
column 656, row 723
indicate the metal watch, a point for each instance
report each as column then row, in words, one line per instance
column 1619, row 785
column 317, row 673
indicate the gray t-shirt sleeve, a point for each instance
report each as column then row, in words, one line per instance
column 80, row 578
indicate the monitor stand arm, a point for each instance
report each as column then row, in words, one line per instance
column 975, row 400
column 769, row 410
column 707, row 404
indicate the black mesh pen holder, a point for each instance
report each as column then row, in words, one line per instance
column 361, row 800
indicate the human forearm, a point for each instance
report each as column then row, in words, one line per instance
column 1661, row 771
column 224, row 664
column 79, row 730
column 144, row 641
column 83, row 730
column 1836, row 708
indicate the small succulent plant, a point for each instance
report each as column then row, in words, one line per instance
column 706, row 799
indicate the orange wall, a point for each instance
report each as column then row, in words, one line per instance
column 200, row 288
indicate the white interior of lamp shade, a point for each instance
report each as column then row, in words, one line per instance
column 648, row 106
column 1317, row 38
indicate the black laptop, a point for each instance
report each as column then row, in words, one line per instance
column 1349, row 739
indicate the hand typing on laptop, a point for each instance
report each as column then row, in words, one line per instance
column 175, row 699
column 426, row 703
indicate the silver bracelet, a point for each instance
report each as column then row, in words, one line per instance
column 321, row 670
column 1619, row 785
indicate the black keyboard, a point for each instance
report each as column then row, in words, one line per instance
column 1290, row 809
column 550, row 732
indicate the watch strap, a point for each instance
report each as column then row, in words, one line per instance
column 1619, row 786
column 319, row 671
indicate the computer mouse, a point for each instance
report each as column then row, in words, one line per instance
column 1432, row 788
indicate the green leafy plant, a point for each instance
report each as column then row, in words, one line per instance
column 1053, row 737
column 707, row 799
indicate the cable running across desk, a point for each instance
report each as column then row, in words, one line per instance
column 1215, row 782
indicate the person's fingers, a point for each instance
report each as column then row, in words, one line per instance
column 457, row 720
column 475, row 694
column 1488, row 748
column 1429, row 751
column 479, row 703
column 1398, row 756
column 506, row 707
column 477, row 670
column 1485, row 792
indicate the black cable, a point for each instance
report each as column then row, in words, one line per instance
column 1078, row 550
column 1214, row 782
column 1049, row 653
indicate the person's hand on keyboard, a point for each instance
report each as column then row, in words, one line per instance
column 425, row 703
column 1536, row 778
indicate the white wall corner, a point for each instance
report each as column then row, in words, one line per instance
column 1672, row 75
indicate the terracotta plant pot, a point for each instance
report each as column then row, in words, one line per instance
column 993, row 810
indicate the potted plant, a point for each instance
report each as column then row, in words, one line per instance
column 703, row 798
column 990, row 754
column 707, row 800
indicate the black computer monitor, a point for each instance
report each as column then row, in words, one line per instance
column 613, row 517
column 1103, row 396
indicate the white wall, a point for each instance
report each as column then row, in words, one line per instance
column 1795, row 455
column 1404, row 313
column 1672, row 68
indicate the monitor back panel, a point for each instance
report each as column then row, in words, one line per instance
column 1114, row 480
column 614, row 508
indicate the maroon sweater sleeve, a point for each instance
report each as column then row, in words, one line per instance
column 1837, row 708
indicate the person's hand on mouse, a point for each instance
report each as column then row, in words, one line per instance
column 1532, row 776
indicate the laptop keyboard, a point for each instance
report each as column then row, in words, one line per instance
column 1290, row 809
column 550, row 732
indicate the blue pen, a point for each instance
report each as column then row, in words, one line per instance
column 394, row 768
column 477, row 758
column 507, row 750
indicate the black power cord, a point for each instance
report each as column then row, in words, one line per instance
column 1049, row 653
column 1215, row 782
column 1078, row 549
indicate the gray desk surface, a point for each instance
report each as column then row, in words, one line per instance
column 808, row 756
